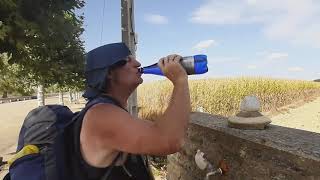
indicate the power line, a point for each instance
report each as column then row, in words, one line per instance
column 102, row 23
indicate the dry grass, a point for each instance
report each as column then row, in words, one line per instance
column 223, row 96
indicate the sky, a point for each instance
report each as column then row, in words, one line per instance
column 255, row 38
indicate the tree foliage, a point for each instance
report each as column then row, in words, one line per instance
column 11, row 80
column 43, row 38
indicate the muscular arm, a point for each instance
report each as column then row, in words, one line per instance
column 108, row 126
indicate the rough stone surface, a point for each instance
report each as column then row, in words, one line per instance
column 248, row 123
column 275, row 153
column 250, row 103
column 249, row 114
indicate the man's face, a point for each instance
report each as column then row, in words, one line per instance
column 126, row 73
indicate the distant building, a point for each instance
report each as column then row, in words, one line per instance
column 317, row 80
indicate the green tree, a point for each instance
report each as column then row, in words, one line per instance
column 11, row 81
column 43, row 38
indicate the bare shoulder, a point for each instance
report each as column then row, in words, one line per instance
column 105, row 108
column 107, row 126
column 105, row 118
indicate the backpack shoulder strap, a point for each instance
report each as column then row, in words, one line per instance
column 102, row 99
column 99, row 99
column 91, row 103
column 107, row 174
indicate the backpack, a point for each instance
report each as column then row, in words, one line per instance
column 40, row 143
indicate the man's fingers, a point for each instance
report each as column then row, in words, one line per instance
column 173, row 58
column 177, row 58
column 166, row 60
column 161, row 63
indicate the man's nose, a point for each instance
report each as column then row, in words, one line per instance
column 136, row 63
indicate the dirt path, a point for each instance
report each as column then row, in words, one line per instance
column 305, row 117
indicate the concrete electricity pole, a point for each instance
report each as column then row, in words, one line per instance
column 129, row 38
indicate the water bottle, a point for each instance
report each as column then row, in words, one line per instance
column 192, row 64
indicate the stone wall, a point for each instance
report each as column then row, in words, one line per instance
column 274, row 153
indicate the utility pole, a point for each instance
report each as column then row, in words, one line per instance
column 129, row 38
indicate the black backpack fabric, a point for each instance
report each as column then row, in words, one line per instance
column 41, row 152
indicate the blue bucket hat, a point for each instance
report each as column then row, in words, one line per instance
column 97, row 64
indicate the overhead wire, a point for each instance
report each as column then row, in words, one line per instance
column 102, row 23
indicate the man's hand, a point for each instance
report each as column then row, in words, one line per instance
column 172, row 69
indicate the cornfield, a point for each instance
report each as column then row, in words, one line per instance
column 223, row 96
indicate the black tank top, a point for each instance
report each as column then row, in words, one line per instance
column 135, row 168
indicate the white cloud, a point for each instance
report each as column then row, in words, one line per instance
column 292, row 20
column 277, row 56
column 252, row 67
column 318, row 73
column 156, row 19
column 310, row 33
column 222, row 60
column 202, row 45
column 216, row 12
column 268, row 59
column 217, row 61
column 295, row 69
column 261, row 53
